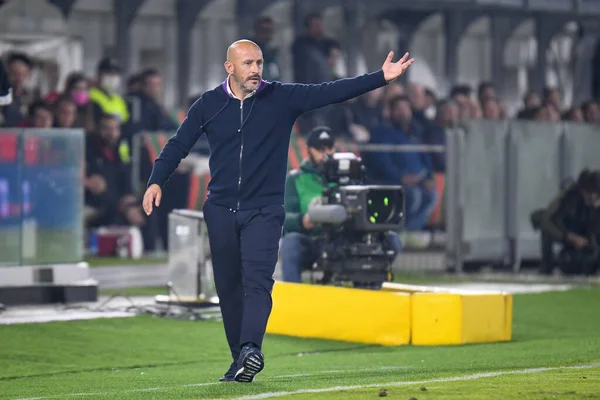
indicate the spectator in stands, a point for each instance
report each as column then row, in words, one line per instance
column 446, row 117
column 5, row 88
column 391, row 91
column 65, row 113
column 573, row 114
column 490, row 109
column 134, row 84
column 365, row 113
column 475, row 111
column 18, row 68
column 531, row 101
column 418, row 102
column 105, row 97
column 311, row 51
column 299, row 249
column 591, row 112
column 553, row 114
column 412, row 169
column 430, row 103
column 147, row 114
column 146, row 110
column 460, row 95
column 39, row 116
column 319, row 56
column 485, row 92
column 76, row 88
column 264, row 28
column 570, row 221
column 109, row 199
column 551, row 97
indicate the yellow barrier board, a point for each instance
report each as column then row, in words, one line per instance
column 441, row 316
column 345, row 314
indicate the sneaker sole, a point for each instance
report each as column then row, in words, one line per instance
column 253, row 364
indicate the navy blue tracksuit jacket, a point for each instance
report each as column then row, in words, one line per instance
column 249, row 142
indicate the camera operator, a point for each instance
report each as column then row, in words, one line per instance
column 299, row 248
column 571, row 219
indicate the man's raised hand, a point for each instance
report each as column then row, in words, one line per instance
column 393, row 70
column 152, row 197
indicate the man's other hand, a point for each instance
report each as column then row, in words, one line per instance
column 152, row 198
column 391, row 70
column 578, row 241
column 308, row 225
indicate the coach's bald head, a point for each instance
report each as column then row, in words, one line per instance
column 244, row 65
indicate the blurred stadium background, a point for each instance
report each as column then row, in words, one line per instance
column 503, row 99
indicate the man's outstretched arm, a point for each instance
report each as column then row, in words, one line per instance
column 304, row 98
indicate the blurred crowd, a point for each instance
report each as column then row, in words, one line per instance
column 113, row 111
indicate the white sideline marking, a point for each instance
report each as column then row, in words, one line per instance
column 342, row 371
column 408, row 383
column 336, row 388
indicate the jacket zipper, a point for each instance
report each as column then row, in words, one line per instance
column 241, row 151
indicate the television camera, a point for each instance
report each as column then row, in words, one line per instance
column 354, row 218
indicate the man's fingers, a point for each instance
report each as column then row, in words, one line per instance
column 390, row 57
column 157, row 201
column 404, row 58
column 148, row 198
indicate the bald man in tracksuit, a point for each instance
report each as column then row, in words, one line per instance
column 248, row 123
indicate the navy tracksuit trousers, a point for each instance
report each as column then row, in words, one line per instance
column 244, row 248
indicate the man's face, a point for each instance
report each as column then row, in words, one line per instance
column 110, row 81
column 491, row 109
column 448, row 115
column 18, row 74
column 392, row 90
column 488, row 93
column 110, row 130
column 316, row 29
column 318, row 155
column 153, row 87
column 554, row 98
column 416, row 95
column 42, row 118
column 402, row 112
column 66, row 113
column 246, row 67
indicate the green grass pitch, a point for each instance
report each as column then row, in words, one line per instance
column 152, row 358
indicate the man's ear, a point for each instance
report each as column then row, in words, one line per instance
column 229, row 67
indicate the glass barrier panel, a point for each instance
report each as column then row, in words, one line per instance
column 52, row 200
column 10, row 196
